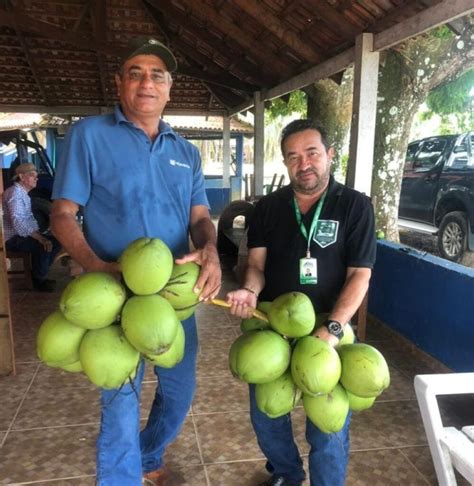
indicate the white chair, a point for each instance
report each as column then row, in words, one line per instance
column 450, row 448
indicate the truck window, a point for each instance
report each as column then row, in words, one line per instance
column 462, row 156
column 429, row 154
column 411, row 153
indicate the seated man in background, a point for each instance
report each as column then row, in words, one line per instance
column 21, row 229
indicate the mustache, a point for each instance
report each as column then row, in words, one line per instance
column 309, row 170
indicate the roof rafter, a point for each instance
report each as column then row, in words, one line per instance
column 273, row 24
column 214, row 76
column 99, row 24
column 333, row 18
column 28, row 24
column 186, row 22
column 219, row 22
column 29, row 59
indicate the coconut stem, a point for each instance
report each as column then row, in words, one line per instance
column 255, row 312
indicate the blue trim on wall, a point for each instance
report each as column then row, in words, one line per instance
column 428, row 300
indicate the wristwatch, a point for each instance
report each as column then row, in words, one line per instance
column 335, row 328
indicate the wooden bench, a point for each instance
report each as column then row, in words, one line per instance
column 26, row 270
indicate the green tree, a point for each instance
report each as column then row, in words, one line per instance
column 410, row 72
column 453, row 100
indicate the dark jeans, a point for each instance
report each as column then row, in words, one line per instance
column 41, row 260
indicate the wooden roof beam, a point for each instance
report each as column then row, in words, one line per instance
column 333, row 18
column 80, row 19
column 223, row 80
column 50, row 31
column 273, row 24
column 29, row 60
column 215, row 76
column 207, row 14
column 99, row 24
column 211, row 42
column 441, row 13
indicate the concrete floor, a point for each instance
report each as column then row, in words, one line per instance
column 49, row 419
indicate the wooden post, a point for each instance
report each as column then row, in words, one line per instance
column 226, row 152
column 7, row 357
column 364, row 108
column 258, row 141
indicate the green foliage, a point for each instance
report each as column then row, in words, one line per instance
column 453, row 97
column 442, row 32
column 297, row 103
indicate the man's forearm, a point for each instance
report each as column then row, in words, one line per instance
column 352, row 294
column 68, row 233
column 254, row 279
column 203, row 233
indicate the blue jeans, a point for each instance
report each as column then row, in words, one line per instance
column 123, row 452
column 41, row 260
column 328, row 456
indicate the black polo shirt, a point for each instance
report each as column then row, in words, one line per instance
column 345, row 237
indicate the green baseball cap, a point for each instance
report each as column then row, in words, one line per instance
column 150, row 46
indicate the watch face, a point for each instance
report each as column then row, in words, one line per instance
column 334, row 328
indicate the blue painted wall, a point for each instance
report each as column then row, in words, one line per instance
column 428, row 300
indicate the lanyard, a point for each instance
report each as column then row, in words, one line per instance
column 314, row 223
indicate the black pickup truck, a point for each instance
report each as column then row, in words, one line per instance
column 437, row 193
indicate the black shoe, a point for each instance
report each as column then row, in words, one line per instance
column 44, row 285
column 279, row 481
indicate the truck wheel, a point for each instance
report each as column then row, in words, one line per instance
column 452, row 236
column 226, row 221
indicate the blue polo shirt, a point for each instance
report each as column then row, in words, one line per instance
column 128, row 185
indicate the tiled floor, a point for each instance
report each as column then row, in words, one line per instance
column 49, row 419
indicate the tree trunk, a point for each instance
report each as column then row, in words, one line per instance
column 330, row 104
column 410, row 71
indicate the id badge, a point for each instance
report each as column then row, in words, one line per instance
column 308, row 271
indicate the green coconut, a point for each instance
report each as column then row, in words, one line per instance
column 58, row 341
column 358, row 404
column 259, row 356
column 149, row 323
column 328, row 412
column 107, row 358
column 92, row 300
column 253, row 323
column 364, row 370
column 179, row 289
column 75, row 367
column 315, row 365
column 146, row 265
column 175, row 353
column 348, row 338
column 278, row 397
column 292, row 314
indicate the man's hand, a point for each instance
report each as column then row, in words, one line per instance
column 242, row 302
column 210, row 278
column 323, row 333
column 46, row 244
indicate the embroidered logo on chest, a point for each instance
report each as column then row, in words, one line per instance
column 175, row 163
column 326, row 232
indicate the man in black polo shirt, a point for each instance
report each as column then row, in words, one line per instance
column 318, row 237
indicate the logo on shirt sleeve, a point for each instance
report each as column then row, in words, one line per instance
column 326, row 233
column 179, row 164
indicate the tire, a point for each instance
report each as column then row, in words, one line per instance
column 41, row 209
column 452, row 236
column 226, row 220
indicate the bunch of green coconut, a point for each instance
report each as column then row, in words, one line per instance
column 286, row 362
column 102, row 327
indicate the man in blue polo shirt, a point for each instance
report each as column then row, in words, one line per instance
column 133, row 176
column 314, row 236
